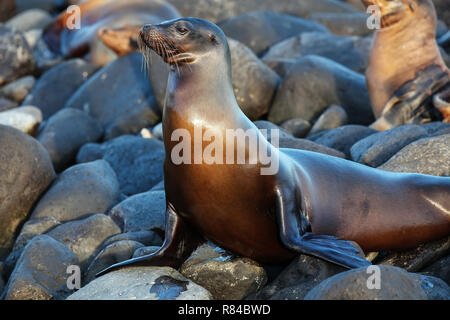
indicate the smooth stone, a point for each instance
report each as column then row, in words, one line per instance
column 378, row 148
column 16, row 57
column 44, row 58
column 84, row 237
column 26, row 119
column 157, row 131
column 26, row 172
column 30, row 19
column 146, row 237
column 19, row 89
column 259, row 30
column 439, row 269
column 224, row 275
column 32, row 228
column 344, row 24
column 145, row 211
column 343, row 138
column 254, row 83
column 351, row 52
column 426, row 156
column 58, row 84
column 65, row 133
column 333, row 117
column 79, row 191
column 142, row 283
column 159, row 187
column 307, row 91
column 32, row 37
column 138, row 162
column 435, row 288
column 121, row 89
column 144, row 251
column 299, row 128
column 6, row 104
column 40, row 273
column 435, row 127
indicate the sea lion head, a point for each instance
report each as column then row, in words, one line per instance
column 185, row 41
column 394, row 11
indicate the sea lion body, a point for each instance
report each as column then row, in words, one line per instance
column 405, row 66
column 308, row 205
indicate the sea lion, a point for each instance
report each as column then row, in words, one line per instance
column 406, row 70
column 308, row 205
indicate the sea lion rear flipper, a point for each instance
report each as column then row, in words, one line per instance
column 292, row 232
column 180, row 241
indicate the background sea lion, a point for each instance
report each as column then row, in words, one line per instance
column 406, row 68
column 310, row 202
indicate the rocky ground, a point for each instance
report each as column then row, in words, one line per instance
column 81, row 157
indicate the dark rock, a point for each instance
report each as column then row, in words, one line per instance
column 299, row 128
column 19, row 89
column 439, row 269
column 259, row 30
column 146, row 237
column 30, row 19
column 313, row 84
column 44, row 58
column 333, row 117
column 32, row 228
column 64, row 134
column 138, row 162
column 81, row 190
column 442, row 10
column 254, row 83
column 344, row 24
column 378, row 148
column 40, row 273
column 145, row 211
column 25, row 173
column 427, row 156
column 16, row 58
column 116, row 91
column 47, row 5
column 7, row 9
column 57, row 85
column 343, row 138
column 6, row 104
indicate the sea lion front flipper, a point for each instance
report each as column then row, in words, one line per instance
column 180, row 241
column 292, row 231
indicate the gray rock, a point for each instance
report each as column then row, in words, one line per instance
column 6, row 104
column 427, row 156
column 19, row 89
column 439, row 269
column 62, row 81
column 40, row 273
column 254, row 83
column 333, row 117
column 32, row 228
column 376, row 149
column 296, row 280
column 138, row 162
column 227, row 277
column 307, row 91
column 344, row 24
column 26, row 119
column 157, row 131
column 443, row 11
column 17, row 59
column 299, row 128
column 121, row 89
column 144, row 251
column 435, row 288
column 25, row 173
column 44, row 58
column 142, row 283
column 146, row 237
column 84, row 237
column 79, row 191
column 64, row 134
column 435, row 127
column 30, row 19
column 259, row 30
column 395, row 284
column 351, row 52
column 47, row 5
column 343, row 138
column 158, row 187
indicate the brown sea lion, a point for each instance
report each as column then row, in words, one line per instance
column 406, row 70
column 308, row 205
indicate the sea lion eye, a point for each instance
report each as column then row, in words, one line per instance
column 182, row 30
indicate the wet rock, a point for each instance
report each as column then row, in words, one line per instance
column 351, row 52
column 84, row 237
column 227, row 277
column 142, row 283
column 65, row 133
column 81, row 190
column 19, row 89
column 342, row 138
column 25, row 119
column 7, row 9
column 25, row 173
column 146, row 237
column 333, row 117
column 40, row 273
column 299, row 128
column 144, row 251
column 6, row 104
column 116, row 91
column 307, row 91
column 259, row 30
column 138, row 162
column 17, row 59
column 254, row 83
column 57, row 85
column 30, row 19
column 439, row 269
column 297, row 279
column 395, row 284
column 427, row 156
column 344, row 24
column 376, row 149
column 145, row 211
column 32, row 228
